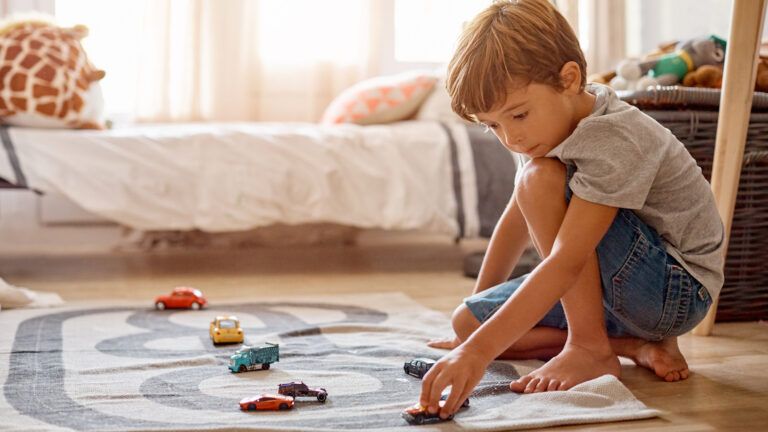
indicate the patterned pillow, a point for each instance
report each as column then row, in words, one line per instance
column 381, row 100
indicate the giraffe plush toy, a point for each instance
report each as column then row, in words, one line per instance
column 46, row 79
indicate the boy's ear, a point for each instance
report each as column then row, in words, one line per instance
column 570, row 75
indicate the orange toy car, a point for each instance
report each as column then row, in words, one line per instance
column 264, row 402
column 181, row 298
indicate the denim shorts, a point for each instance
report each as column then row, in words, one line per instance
column 646, row 293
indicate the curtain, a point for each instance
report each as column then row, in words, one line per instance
column 260, row 60
column 601, row 27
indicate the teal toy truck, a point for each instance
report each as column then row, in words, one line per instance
column 253, row 358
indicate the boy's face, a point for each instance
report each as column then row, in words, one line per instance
column 533, row 119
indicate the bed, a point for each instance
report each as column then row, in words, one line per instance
column 440, row 177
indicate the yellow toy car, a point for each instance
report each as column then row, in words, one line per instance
column 226, row 329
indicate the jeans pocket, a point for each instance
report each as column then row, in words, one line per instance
column 639, row 291
column 698, row 306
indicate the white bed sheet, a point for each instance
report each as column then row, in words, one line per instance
column 239, row 176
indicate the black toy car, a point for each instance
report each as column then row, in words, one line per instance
column 418, row 414
column 418, row 367
column 299, row 389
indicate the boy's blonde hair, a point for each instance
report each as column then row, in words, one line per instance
column 512, row 42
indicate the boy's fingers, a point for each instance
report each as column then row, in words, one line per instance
column 438, row 343
column 454, row 399
column 441, row 381
column 426, row 385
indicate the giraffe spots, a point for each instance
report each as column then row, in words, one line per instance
column 55, row 60
column 46, row 73
column 46, row 109
column 12, row 52
column 77, row 102
column 20, row 103
column 39, row 91
column 29, row 61
column 3, row 72
column 18, row 82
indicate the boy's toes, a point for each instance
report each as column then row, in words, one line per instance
column 531, row 387
column 553, row 385
column 519, row 384
column 684, row 374
column 543, row 385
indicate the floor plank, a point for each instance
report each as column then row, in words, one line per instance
column 728, row 389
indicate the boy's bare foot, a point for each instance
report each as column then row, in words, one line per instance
column 574, row 365
column 663, row 358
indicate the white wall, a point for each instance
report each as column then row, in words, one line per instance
column 667, row 20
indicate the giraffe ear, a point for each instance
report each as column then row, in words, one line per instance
column 96, row 75
column 78, row 32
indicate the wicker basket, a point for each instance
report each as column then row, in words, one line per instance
column 691, row 114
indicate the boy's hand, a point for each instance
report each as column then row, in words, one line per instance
column 461, row 369
column 444, row 343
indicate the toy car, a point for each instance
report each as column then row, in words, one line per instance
column 418, row 367
column 299, row 389
column 266, row 402
column 418, row 414
column 181, row 298
column 252, row 358
column 226, row 329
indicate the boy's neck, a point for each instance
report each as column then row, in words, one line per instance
column 585, row 103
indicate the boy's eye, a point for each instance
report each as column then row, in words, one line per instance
column 489, row 127
column 521, row 116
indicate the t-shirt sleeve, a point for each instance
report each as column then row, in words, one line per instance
column 613, row 169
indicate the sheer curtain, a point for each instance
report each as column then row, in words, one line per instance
column 249, row 60
column 601, row 28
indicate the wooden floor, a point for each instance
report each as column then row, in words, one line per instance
column 727, row 391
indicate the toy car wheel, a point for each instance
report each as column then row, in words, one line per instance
column 242, row 368
column 322, row 397
column 265, row 366
column 195, row 306
column 251, row 407
column 405, row 368
column 418, row 419
column 160, row 306
column 283, row 406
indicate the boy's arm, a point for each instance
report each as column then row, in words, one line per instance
column 583, row 228
column 507, row 244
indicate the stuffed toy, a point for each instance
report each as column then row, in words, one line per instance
column 707, row 76
column 46, row 79
column 712, row 77
column 670, row 68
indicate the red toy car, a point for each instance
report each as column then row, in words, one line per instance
column 266, row 402
column 181, row 298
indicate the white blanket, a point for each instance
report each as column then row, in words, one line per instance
column 238, row 176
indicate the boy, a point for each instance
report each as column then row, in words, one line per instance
column 620, row 213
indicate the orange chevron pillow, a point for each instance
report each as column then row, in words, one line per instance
column 383, row 99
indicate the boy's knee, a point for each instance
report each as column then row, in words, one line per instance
column 464, row 322
column 541, row 176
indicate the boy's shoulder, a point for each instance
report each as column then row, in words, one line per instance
column 614, row 122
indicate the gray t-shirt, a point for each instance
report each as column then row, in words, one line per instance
column 626, row 159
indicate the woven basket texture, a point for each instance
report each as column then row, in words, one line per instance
column 691, row 115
